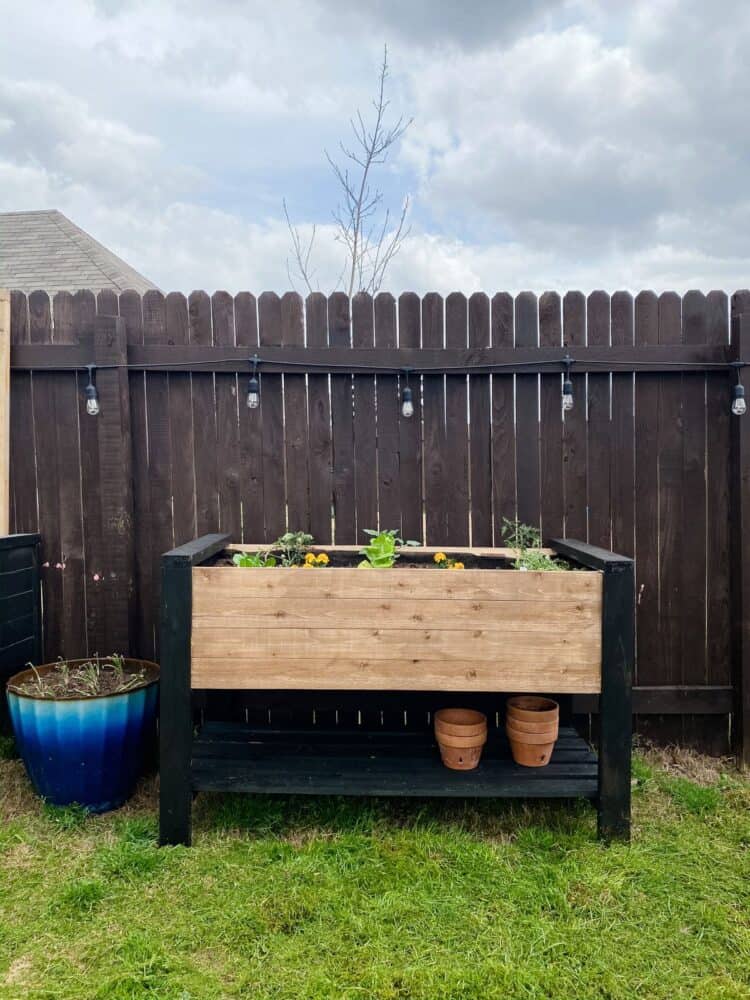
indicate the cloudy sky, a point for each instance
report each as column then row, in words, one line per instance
column 569, row 144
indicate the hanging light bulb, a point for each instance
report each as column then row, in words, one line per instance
column 91, row 394
column 253, row 387
column 739, row 406
column 567, row 388
column 407, row 400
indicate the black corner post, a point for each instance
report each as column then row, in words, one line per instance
column 175, row 713
column 175, row 706
column 616, row 698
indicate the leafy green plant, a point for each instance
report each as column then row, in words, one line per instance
column 292, row 546
column 254, row 560
column 383, row 550
column 527, row 541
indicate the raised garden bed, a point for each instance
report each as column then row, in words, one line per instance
column 488, row 628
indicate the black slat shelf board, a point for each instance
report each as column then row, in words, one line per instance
column 237, row 758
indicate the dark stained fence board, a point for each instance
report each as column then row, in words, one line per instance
column 574, row 431
column 319, row 424
column 599, row 446
column 480, row 436
column 551, row 428
column 389, row 494
column 527, row 416
column 503, row 420
column 410, row 438
column 295, row 419
column 648, row 470
column 365, row 423
column 271, row 412
column 228, row 400
column 456, row 431
column 204, row 420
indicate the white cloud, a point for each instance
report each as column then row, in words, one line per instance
column 555, row 144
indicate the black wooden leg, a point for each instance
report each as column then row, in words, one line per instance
column 176, row 723
column 615, row 708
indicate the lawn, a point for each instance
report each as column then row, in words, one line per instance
column 294, row 898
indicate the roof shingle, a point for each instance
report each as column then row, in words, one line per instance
column 45, row 250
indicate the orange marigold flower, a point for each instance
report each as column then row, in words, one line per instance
column 323, row 559
column 309, row 559
column 440, row 557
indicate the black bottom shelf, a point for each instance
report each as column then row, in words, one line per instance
column 330, row 762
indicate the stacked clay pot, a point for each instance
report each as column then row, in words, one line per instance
column 532, row 725
column 461, row 734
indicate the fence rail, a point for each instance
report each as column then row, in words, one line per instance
column 646, row 463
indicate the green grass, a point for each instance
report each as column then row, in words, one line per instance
column 399, row 900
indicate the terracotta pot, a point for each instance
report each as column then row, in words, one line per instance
column 447, row 740
column 537, row 738
column 530, row 754
column 461, row 759
column 530, row 708
column 460, row 722
column 534, row 727
column 461, row 734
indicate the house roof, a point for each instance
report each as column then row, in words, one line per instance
column 45, row 250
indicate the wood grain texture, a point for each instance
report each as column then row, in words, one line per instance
column 412, row 640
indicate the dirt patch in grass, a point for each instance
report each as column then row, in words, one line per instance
column 686, row 763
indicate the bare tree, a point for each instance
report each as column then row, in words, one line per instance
column 370, row 234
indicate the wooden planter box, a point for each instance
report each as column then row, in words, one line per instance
column 406, row 629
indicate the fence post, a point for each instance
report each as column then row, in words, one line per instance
column 740, row 545
column 116, row 481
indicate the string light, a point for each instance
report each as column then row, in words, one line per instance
column 253, row 385
column 91, row 393
column 739, row 406
column 567, row 388
column 407, row 400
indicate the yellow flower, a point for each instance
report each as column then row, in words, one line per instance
column 309, row 559
column 308, row 565
column 457, row 565
column 323, row 559
column 440, row 557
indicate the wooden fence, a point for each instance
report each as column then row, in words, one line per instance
column 645, row 463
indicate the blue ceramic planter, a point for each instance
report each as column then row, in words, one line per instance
column 85, row 750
